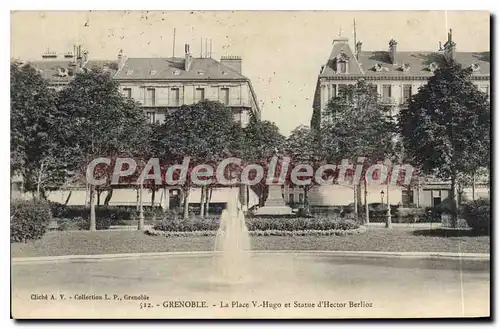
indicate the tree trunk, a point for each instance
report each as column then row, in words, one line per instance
column 153, row 195
column 39, row 182
column 202, row 202
column 140, row 225
column 93, row 226
column 358, row 197
column 454, row 208
column 473, row 185
column 108, row 197
column 307, row 208
column 87, row 197
column 186, row 203
column 98, row 192
column 166, row 202
column 367, row 209
column 208, row 197
column 67, row 199
column 355, row 201
column 137, row 200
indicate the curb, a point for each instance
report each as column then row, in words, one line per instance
column 360, row 254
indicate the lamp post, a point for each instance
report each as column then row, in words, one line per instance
column 382, row 196
column 388, row 223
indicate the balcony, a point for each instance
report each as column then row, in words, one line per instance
column 385, row 100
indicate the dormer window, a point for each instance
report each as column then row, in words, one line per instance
column 342, row 67
column 433, row 66
column 475, row 67
column 177, row 72
column 152, row 72
column 201, row 72
column 62, row 72
column 406, row 67
column 377, row 67
column 130, row 72
column 342, row 62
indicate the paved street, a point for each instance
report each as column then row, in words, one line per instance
column 374, row 287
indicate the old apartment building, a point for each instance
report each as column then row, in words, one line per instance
column 396, row 75
column 159, row 85
column 163, row 84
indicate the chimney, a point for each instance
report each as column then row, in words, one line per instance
column 233, row 62
column 188, row 58
column 121, row 59
column 358, row 48
column 85, row 56
column 392, row 51
column 49, row 55
column 79, row 57
column 449, row 47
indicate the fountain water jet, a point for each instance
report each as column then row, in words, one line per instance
column 233, row 244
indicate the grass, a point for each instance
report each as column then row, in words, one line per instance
column 375, row 239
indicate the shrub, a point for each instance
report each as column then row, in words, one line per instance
column 69, row 225
column 29, row 220
column 477, row 213
column 155, row 213
column 260, row 224
column 102, row 223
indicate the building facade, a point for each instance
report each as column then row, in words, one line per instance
column 164, row 84
column 159, row 85
column 396, row 75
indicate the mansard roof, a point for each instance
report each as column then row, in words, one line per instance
column 407, row 64
column 172, row 68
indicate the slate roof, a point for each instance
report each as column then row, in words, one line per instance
column 418, row 62
column 50, row 68
column 172, row 68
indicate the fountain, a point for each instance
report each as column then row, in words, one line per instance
column 232, row 243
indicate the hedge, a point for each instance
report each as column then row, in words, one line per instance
column 358, row 230
column 117, row 214
column 477, row 213
column 259, row 224
column 29, row 220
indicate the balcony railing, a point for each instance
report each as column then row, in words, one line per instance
column 387, row 100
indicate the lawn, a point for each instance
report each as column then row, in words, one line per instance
column 374, row 239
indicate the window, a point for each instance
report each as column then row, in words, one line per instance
column 407, row 197
column 342, row 88
column 485, row 89
column 150, row 97
column 373, row 88
column 334, row 91
column 224, row 96
column 174, row 96
column 386, row 91
column 301, row 198
column 237, row 116
column 436, row 197
column 290, row 198
column 342, row 67
column 406, row 93
column 199, row 94
column 127, row 92
column 151, row 117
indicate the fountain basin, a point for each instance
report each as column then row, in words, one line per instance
column 358, row 286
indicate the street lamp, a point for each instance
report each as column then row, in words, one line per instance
column 388, row 223
column 382, row 197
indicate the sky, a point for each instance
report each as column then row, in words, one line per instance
column 282, row 51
